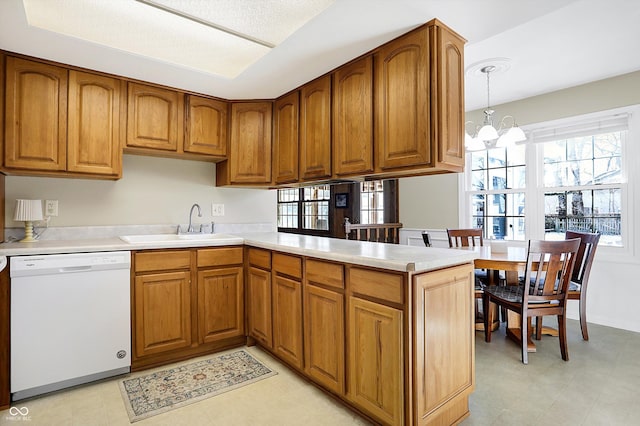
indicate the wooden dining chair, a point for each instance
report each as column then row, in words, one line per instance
column 470, row 237
column 542, row 292
column 581, row 272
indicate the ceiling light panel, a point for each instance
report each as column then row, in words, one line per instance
column 269, row 20
column 144, row 30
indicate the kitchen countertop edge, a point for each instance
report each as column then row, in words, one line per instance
column 384, row 256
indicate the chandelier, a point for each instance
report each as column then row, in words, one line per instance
column 487, row 136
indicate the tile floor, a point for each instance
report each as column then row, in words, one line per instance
column 599, row 386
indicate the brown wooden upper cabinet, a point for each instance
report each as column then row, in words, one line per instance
column 96, row 125
column 315, row 129
column 412, row 78
column 155, row 118
column 285, row 138
column 353, row 118
column 207, row 124
column 35, row 116
column 249, row 160
column 62, row 121
column 447, row 69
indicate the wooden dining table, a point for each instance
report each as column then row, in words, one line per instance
column 512, row 261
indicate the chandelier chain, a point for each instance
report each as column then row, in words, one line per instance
column 488, row 99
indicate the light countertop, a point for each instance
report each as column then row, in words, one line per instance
column 385, row 256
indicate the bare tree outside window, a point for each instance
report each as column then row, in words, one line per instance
column 582, row 180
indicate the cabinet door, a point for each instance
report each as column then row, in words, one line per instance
column 162, row 315
column 220, row 304
column 448, row 101
column 155, row 118
column 285, row 138
column 94, row 140
column 207, row 123
column 287, row 320
column 324, row 337
column 315, row 129
column 444, row 338
column 259, row 303
column 250, row 147
column 401, row 97
column 35, row 115
column 353, row 118
column 375, row 360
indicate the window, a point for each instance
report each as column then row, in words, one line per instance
column 304, row 208
column 288, row 208
column 372, row 202
column 583, row 185
column 569, row 175
column 497, row 192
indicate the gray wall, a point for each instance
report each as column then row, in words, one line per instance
column 152, row 191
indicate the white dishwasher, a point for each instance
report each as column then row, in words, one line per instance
column 70, row 320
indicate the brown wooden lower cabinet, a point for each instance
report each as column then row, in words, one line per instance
column 375, row 362
column 220, row 304
column 259, row 305
column 324, row 337
column 402, row 353
column 287, row 320
column 162, row 312
column 323, row 324
column 186, row 303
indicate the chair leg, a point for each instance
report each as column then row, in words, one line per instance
column 562, row 337
column 524, row 334
column 583, row 316
column 538, row 328
column 488, row 317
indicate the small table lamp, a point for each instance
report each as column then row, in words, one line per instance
column 28, row 211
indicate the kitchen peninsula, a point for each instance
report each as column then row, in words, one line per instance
column 387, row 329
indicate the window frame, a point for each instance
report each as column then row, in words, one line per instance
column 535, row 190
column 300, row 203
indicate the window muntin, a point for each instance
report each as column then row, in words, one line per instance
column 372, row 202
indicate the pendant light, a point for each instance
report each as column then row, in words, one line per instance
column 487, row 136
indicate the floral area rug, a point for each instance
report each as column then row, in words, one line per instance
column 154, row 393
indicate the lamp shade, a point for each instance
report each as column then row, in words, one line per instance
column 487, row 133
column 28, row 210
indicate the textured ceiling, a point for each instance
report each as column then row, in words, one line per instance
column 551, row 45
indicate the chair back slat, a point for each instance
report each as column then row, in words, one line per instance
column 585, row 256
column 471, row 237
column 548, row 271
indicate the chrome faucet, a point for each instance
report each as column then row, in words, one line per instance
column 190, row 228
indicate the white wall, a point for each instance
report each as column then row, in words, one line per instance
column 152, row 191
column 614, row 289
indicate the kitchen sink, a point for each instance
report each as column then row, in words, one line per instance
column 179, row 238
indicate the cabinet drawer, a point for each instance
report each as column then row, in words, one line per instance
column 330, row 274
column 381, row 285
column 260, row 258
column 163, row 260
column 287, row 265
column 219, row 256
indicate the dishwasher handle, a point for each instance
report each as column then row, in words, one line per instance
column 68, row 269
